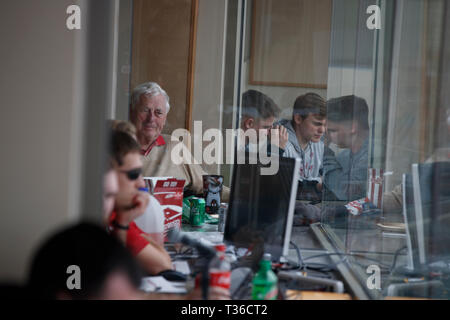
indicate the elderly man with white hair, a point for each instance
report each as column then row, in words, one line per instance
column 149, row 109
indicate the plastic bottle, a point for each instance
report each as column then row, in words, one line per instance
column 265, row 282
column 220, row 269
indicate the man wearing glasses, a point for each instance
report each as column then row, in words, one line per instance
column 130, row 203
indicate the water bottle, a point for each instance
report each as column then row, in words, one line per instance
column 220, row 269
column 265, row 282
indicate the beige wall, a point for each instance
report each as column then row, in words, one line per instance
column 283, row 96
column 209, row 63
column 39, row 129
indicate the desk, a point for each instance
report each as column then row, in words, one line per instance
column 361, row 248
column 302, row 236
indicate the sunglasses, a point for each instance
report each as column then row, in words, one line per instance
column 133, row 174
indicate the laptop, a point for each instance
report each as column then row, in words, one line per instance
column 261, row 210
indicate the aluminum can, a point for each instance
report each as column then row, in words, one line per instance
column 222, row 216
column 201, row 208
column 196, row 216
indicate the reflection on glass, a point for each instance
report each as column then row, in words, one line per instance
column 367, row 112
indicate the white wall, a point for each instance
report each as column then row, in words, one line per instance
column 209, row 67
column 39, row 128
column 284, row 97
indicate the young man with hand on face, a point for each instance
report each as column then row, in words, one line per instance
column 130, row 203
column 305, row 133
column 110, row 192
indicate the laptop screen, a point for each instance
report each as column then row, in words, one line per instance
column 261, row 208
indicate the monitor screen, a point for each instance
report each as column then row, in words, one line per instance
column 409, row 217
column 261, row 209
column 439, row 229
column 431, row 185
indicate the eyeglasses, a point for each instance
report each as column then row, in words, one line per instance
column 132, row 174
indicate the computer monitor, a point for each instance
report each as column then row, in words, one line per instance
column 431, row 185
column 426, row 211
column 409, row 216
column 261, row 209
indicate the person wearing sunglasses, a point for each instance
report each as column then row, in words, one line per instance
column 111, row 189
column 130, row 203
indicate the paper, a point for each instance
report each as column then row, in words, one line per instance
column 160, row 284
column 182, row 266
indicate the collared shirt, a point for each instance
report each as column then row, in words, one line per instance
column 158, row 142
column 160, row 163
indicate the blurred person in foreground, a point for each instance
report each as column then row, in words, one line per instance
column 83, row 262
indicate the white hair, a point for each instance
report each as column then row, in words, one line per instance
column 149, row 88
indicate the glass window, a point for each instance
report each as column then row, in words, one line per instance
column 357, row 90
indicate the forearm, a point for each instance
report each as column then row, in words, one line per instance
column 119, row 231
column 153, row 260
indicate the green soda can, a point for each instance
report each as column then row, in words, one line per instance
column 201, row 208
column 196, row 217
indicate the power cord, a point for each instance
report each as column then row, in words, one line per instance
column 320, row 267
column 299, row 255
column 344, row 259
column 395, row 258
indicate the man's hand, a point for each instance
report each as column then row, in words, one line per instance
column 319, row 185
column 281, row 135
column 126, row 215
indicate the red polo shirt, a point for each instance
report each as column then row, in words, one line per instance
column 158, row 142
column 135, row 242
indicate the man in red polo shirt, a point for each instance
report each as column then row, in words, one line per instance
column 130, row 203
column 149, row 109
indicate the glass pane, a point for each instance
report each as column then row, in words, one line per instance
column 353, row 92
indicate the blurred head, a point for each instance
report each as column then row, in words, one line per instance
column 258, row 111
column 124, row 126
column 309, row 116
column 149, row 109
column 126, row 160
column 106, row 268
column 348, row 119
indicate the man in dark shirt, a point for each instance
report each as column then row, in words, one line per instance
column 348, row 128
